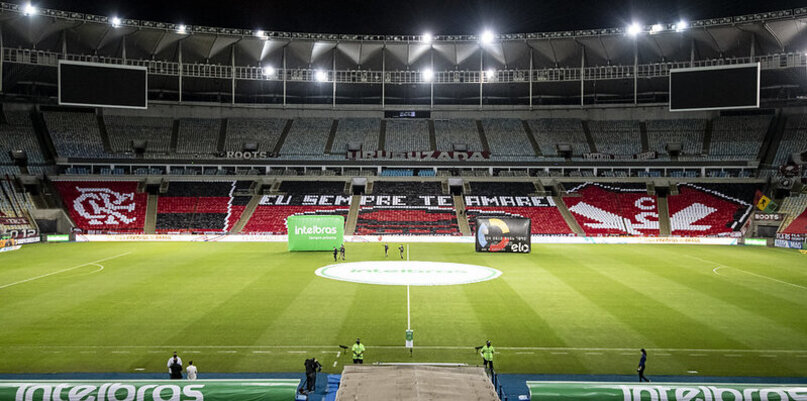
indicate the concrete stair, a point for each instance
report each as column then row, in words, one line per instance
column 462, row 218
column 246, row 215
column 663, row 217
column 151, row 215
column 353, row 215
column 567, row 215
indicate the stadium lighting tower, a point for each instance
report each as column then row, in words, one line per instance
column 656, row 28
column 428, row 75
column 115, row 21
column 681, row 26
column 427, row 38
column 486, row 37
column 268, row 71
column 634, row 29
column 261, row 34
column 29, row 9
column 490, row 74
column 321, row 76
column 182, row 29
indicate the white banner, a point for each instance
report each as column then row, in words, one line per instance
column 536, row 239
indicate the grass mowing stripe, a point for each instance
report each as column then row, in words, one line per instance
column 61, row 271
column 766, row 306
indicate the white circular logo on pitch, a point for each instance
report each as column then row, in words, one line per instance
column 408, row 273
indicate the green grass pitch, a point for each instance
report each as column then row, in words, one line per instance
column 254, row 307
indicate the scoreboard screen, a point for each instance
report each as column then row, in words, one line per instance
column 102, row 85
column 715, row 88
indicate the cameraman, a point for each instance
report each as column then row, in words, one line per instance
column 312, row 366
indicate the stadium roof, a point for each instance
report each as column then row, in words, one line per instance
column 76, row 33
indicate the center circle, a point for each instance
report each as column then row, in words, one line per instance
column 408, row 273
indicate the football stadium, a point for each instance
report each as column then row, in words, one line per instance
column 221, row 212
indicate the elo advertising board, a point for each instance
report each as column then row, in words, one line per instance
column 503, row 235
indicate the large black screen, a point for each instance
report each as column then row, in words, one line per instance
column 91, row 84
column 724, row 87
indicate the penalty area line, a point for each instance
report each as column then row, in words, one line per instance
column 93, row 263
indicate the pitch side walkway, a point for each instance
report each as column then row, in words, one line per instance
column 513, row 385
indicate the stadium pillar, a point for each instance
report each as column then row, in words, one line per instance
column 635, row 71
column 753, row 51
column 179, row 51
column 123, row 48
column 481, row 72
column 2, row 58
column 530, row 78
column 284, row 76
column 232, row 73
column 383, row 73
column 582, row 75
column 333, row 94
column 431, row 84
column 691, row 53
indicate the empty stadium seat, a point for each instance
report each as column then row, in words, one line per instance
column 104, row 206
column 706, row 209
column 614, row 209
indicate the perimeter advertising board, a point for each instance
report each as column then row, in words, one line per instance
column 503, row 235
column 209, row 390
column 315, row 233
column 667, row 391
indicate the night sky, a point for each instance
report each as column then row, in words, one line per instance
column 418, row 16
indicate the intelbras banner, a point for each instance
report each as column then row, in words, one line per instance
column 503, row 235
column 209, row 390
column 664, row 391
column 315, row 233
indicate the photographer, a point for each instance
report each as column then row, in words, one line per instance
column 312, row 366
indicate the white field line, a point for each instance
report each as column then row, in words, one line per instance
column 95, row 262
column 554, row 350
column 746, row 272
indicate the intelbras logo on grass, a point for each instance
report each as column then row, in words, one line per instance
column 408, row 273
column 315, row 230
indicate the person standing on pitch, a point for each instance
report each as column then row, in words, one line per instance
column 641, row 367
column 358, row 352
column 401, row 249
column 191, row 371
column 487, row 355
column 175, row 367
column 342, row 251
column 386, row 250
column 335, row 252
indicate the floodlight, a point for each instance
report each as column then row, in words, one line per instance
column 321, row 76
column 486, row 37
column 427, row 38
column 268, row 71
column 490, row 73
column 261, row 34
column 182, row 29
column 115, row 21
column 656, row 28
column 634, row 29
column 428, row 75
column 681, row 26
column 29, row 9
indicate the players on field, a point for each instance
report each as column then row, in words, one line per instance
column 401, row 249
column 335, row 253
column 342, row 251
column 386, row 250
